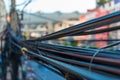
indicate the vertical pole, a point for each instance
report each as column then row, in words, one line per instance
column 15, row 58
column 3, row 52
column 49, row 28
column 14, row 17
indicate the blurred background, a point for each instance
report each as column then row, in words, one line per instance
column 42, row 17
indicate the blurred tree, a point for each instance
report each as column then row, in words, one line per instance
column 101, row 2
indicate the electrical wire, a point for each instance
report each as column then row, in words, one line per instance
column 110, row 45
column 95, row 31
column 22, row 3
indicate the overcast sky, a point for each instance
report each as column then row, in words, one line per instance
column 56, row 5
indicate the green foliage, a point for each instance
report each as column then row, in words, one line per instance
column 101, row 2
column 67, row 43
column 74, row 43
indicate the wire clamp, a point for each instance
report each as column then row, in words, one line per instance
column 23, row 50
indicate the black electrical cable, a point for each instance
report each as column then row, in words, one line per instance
column 22, row 3
column 95, row 31
column 63, row 67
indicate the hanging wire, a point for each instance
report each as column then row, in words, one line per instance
column 22, row 3
column 100, row 49
column 24, row 8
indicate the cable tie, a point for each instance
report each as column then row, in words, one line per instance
column 23, row 50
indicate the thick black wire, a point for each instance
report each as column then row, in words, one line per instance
column 95, row 31
column 34, row 54
column 70, row 48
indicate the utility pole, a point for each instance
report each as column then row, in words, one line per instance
column 2, row 52
column 14, row 17
column 14, row 58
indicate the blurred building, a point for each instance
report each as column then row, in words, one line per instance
column 39, row 24
column 65, row 24
column 108, row 7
